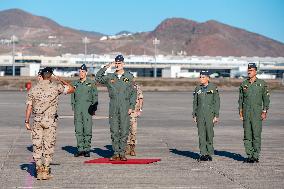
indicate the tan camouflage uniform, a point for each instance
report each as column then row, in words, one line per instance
column 133, row 118
column 44, row 101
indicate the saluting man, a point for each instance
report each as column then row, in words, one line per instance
column 122, row 102
column 85, row 96
column 206, row 106
column 254, row 99
column 42, row 101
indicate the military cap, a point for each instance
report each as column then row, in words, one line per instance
column 47, row 70
column 204, row 72
column 119, row 58
column 252, row 65
column 84, row 67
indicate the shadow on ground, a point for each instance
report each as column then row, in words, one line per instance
column 30, row 168
column 186, row 153
column 106, row 153
column 234, row 156
column 30, row 148
column 194, row 155
column 70, row 149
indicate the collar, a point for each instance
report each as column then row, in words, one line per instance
column 83, row 81
column 44, row 81
column 256, row 80
column 119, row 74
column 201, row 85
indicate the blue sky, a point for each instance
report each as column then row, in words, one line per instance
column 265, row 17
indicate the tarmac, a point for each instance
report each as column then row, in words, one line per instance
column 165, row 130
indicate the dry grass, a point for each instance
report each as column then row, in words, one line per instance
column 149, row 84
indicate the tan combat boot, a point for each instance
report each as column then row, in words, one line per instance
column 127, row 150
column 39, row 170
column 115, row 157
column 132, row 150
column 46, row 173
column 123, row 157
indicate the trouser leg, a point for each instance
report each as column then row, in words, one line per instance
column 124, row 129
column 87, row 130
column 248, row 136
column 202, row 135
column 209, row 137
column 132, row 130
column 78, row 121
column 49, row 139
column 114, row 131
column 256, row 139
column 37, row 132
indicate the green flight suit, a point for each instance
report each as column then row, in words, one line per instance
column 122, row 98
column 85, row 94
column 253, row 99
column 206, row 106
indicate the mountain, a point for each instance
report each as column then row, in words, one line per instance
column 124, row 32
column 92, row 33
column 214, row 39
column 42, row 36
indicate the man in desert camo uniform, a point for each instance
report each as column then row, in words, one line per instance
column 42, row 101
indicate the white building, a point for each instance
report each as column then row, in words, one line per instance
column 169, row 66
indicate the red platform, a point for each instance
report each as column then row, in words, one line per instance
column 129, row 161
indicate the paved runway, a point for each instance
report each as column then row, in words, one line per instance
column 166, row 131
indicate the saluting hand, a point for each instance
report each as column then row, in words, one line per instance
column 110, row 65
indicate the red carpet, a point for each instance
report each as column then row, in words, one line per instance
column 129, row 161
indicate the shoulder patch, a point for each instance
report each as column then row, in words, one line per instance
column 126, row 80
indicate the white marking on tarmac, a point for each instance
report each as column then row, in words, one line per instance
column 10, row 103
column 29, row 179
column 195, row 169
column 72, row 116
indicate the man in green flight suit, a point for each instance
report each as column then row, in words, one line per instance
column 253, row 105
column 206, row 105
column 122, row 101
column 85, row 96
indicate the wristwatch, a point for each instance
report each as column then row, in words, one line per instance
column 27, row 121
column 264, row 111
column 140, row 110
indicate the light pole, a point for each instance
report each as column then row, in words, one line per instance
column 85, row 40
column 13, row 39
column 155, row 43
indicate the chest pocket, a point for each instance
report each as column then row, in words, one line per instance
column 258, row 88
column 88, row 87
column 209, row 96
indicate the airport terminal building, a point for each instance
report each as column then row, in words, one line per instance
column 144, row 65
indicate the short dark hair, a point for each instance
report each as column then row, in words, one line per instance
column 46, row 75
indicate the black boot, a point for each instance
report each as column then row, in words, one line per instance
column 249, row 160
column 256, row 160
column 87, row 154
column 203, row 158
column 209, row 158
column 79, row 153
